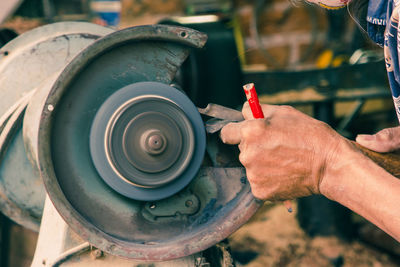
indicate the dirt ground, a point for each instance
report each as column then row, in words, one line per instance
column 273, row 238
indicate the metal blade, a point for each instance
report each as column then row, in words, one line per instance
column 221, row 116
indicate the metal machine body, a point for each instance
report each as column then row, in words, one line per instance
column 185, row 223
column 26, row 63
column 122, row 152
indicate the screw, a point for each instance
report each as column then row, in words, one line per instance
column 152, row 206
column 183, row 34
column 155, row 142
column 188, row 203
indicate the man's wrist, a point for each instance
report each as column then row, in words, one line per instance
column 339, row 171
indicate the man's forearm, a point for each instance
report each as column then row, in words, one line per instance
column 367, row 189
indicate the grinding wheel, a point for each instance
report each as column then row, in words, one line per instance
column 121, row 151
column 147, row 141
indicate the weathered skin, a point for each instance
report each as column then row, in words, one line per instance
column 386, row 140
column 289, row 155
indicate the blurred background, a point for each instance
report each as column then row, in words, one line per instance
column 316, row 60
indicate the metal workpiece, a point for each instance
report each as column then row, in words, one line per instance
column 220, row 115
column 221, row 112
column 27, row 63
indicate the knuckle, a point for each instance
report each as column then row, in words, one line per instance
column 244, row 132
column 256, row 193
column 287, row 108
column 325, row 127
column 252, row 128
column 387, row 134
column 245, row 159
column 259, row 192
column 254, row 178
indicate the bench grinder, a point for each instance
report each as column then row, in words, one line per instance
column 123, row 153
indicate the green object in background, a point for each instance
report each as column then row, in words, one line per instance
column 194, row 7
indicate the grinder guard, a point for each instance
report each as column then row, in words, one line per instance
column 65, row 142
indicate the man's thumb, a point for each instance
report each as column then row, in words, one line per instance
column 386, row 140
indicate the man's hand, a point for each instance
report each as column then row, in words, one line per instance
column 387, row 140
column 287, row 154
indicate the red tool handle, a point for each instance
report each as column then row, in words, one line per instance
column 252, row 98
column 256, row 109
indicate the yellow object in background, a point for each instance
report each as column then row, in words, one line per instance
column 328, row 59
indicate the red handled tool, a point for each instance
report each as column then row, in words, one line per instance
column 256, row 109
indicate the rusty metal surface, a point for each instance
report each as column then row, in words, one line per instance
column 98, row 214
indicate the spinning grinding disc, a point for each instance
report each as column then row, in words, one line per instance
column 121, row 151
column 147, row 141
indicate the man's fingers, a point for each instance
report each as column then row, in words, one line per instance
column 230, row 134
column 267, row 110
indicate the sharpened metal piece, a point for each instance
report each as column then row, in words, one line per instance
column 221, row 112
column 214, row 125
column 221, row 116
